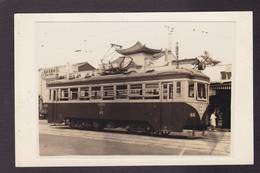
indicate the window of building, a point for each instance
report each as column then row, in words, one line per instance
column 152, row 91
column 223, row 75
column 74, row 93
column 121, row 91
column 191, row 89
column 84, row 93
column 228, row 75
column 108, row 92
column 178, row 87
column 136, row 91
column 201, row 91
column 96, row 92
column 64, row 94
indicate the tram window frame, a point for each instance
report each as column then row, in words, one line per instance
column 50, row 94
column 62, row 94
column 82, row 93
column 55, row 94
column 108, row 92
column 152, row 91
column 74, row 93
column 191, row 85
column 178, row 87
column 125, row 92
column 164, row 91
column 204, row 96
column 136, row 91
column 97, row 93
column 207, row 91
column 170, row 88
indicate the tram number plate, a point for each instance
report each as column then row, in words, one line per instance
column 101, row 107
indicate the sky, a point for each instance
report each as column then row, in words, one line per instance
column 57, row 43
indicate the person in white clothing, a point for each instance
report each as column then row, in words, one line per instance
column 213, row 118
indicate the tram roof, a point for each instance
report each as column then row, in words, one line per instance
column 132, row 77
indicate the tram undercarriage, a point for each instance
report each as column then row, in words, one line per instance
column 132, row 127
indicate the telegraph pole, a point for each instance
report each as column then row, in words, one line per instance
column 177, row 54
column 170, row 31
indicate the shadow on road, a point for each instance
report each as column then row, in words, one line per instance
column 177, row 135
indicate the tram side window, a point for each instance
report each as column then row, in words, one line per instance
column 136, row 91
column 178, row 87
column 201, row 91
column 152, row 91
column 206, row 89
column 108, row 92
column 96, row 92
column 170, row 91
column 55, row 95
column 74, row 93
column 49, row 94
column 64, row 94
column 191, row 89
column 84, row 93
column 165, row 91
column 121, row 91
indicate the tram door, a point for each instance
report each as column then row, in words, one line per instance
column 166, row 104
column 167, row 91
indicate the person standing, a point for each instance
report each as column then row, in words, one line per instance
column 213, row 118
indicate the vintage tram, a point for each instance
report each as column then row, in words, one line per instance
column 155, row 101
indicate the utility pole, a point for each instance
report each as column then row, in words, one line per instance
column 170, row 31
column 177, row 54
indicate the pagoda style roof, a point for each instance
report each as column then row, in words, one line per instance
column 191, row 61
column 138, row 48
column 159, row 55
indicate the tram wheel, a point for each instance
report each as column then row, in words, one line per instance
column 161, row 132
column 72, row 124
column 78, row 125
column 97, row 125
column 83, row 124
column 139, row 128
column 130, row 130
column 110, row 125
column 165, row 132
column 88, row 125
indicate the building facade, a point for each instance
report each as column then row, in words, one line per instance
column 220, row 98
column 69, row 71
column 144, row 58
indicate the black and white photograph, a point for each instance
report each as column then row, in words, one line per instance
column 127, row 85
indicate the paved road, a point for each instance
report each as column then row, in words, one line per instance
column 60, row 140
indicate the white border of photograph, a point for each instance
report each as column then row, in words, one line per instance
column 26, row 93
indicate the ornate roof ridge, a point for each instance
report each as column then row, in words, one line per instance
column 138, row 47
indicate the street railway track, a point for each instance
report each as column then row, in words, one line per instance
column 213, row 143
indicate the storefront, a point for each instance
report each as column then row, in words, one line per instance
column 220, row 101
